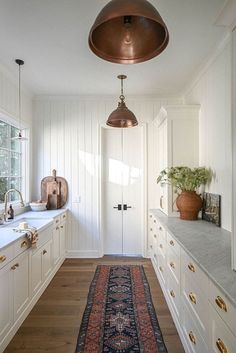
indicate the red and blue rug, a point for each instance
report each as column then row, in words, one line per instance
column 120, row 316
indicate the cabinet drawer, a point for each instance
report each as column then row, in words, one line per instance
column 20, row 246
column 44, row 236
column 198, row 305
column 191, row 333
column 6, row 255
column 173, row 292
column 224, row 308
column 195, row 274
column 222, row 339
column 172, row 243
column 161, row 231
column 63, row 217
column 162, row 270
column 56, row 221
column 161, row 246
column 173, row 263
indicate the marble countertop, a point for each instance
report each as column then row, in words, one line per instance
column 40, row 220
column 208, row 245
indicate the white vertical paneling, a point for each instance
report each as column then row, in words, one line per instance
column 66, row 137
column 213, row 92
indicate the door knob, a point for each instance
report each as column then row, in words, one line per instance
column 119, row 208
column 125, row 207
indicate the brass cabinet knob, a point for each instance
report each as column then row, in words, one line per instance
column 193, row 298
column 172, row 293
column 192, row 337
column 150, row 216
column 221, row 304
column 155, row 221
column 160, row 228
column 221, row 346
column 161, row 246
column 57, row 221
column 57, row 228
column 23, row 244
column 155, row 235
column 151, row 246
column 151, row 229
column 172, row 243
column 62, row 226
column 44, row 252
column 3, row 258
column 191, row 267
column 161, row 269
column 64, row 216
column 172, row 265
column 15, row 266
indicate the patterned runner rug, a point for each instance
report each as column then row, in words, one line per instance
column 119, row 316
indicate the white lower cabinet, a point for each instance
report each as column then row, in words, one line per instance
column 25, row 273
column 204, row 317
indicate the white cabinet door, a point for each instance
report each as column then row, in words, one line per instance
column 123, row 190
column 6, row 300
column 56, row 244
column 36, row 271
column 21, row 285
column 62, row 239
column 47, row 259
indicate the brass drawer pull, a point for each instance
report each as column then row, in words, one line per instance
column 192, row 337
column 150, row 216
column 161, row 246
column 24, row 243
column 172, row 243
column 193, row 298
column 160, row 228
column 161, row 269
column 151, row 246
column 221, row 346
column 151, row 229
column 44, row 252
column 172, row 293
column 62, row 226
column 155, row 221
column 57, row 221
column 14, row 266
column 221, row 304
column 155, row 235
column 191, row 267
column 3, row 258
column 64, row 216
column 57, row 228
column 172, row 265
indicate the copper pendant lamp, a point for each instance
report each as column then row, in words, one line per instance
column 128, row 32
column 122, row 117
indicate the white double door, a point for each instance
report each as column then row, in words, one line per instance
column 123, row 190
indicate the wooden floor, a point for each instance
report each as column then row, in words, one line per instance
column 53, row 324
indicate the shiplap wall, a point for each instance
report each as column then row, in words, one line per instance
column 212, row 90
column 66, row 137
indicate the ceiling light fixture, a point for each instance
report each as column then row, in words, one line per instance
column 122, row 116
column 19, row 137
column 128, row 32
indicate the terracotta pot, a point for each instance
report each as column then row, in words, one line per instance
column 189, row 204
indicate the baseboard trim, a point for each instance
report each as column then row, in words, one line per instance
column 78, row 254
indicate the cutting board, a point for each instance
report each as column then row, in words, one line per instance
column 54, row 191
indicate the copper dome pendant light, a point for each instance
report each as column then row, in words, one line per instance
column 128, row 32
column 122, row 117
column 19, row 137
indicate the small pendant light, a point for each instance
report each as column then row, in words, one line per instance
column 122, row 117
column 19, row 62
column 128, row 32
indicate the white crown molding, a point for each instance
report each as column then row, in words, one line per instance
column 227, row 15
column 219, row 49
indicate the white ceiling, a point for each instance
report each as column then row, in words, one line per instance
column 52, row 37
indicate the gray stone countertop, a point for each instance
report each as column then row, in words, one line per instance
column 208, row 245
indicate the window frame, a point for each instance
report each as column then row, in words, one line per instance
column 25, row 162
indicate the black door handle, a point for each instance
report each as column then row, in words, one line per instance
column 119, row 208
column 125, row 207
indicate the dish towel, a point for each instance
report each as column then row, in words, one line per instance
column 32, row 236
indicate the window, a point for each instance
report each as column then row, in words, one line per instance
column 11, row 160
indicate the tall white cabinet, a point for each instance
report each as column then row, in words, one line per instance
column 176, row 129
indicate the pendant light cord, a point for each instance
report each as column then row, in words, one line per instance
column 19, row 97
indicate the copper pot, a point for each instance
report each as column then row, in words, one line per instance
column 189, row 204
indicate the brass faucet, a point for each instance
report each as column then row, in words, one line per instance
column 5, row 201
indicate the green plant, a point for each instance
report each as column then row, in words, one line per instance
column 184, row 178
